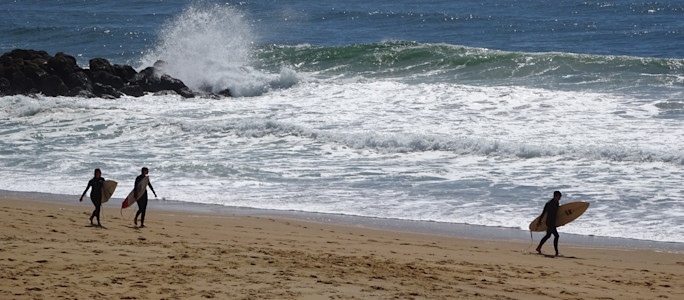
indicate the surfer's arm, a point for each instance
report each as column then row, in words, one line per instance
column 542, row 214
column 151, row 188
column 84, row 192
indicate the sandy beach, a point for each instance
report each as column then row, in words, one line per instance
column 48, row 250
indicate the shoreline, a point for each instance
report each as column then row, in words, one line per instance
column 455, row 230
column 48, row 249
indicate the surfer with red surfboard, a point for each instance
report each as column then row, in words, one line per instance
column 96, row 183
column 142, row 199
column 551, row 211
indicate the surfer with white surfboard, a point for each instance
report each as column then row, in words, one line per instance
column 140, row 192
column 97, row 183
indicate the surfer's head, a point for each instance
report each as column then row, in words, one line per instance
column 145, row 171
column 98, row 173
column 557, row 195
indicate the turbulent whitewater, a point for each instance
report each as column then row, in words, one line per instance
column 415, row 115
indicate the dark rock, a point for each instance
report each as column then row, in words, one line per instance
column 169, row 83
column 101, row 64
column 30, row 71
column 5, row 86
column 106, row 78
column 52, row 85
column 226, row 93
column 150, row 81
column 79, row 79
column 20, row 83
column 125, row 72
column 33, row 70
column 80, row 92
column 103, row 91
column 62, row 64
column 165, row 93
column 186, row 92
column 146, row 79
column 27, row 54
column 132, row 90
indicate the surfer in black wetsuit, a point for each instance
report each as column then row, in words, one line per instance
column 95, row 195
column 551, row 211
column 142, row 201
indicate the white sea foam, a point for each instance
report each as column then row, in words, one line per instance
column 440, row 152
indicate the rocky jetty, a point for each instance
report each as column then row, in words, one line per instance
column 25, row 72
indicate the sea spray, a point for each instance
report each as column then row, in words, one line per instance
column 209, row 47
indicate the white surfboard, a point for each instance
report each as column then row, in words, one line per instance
column 131, row 199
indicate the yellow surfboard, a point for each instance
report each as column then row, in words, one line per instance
column 108, row 189
column 566, row 214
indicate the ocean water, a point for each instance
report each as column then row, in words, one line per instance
column 468, row 112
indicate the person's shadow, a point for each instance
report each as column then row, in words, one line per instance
column 559, row 256
column 96, row 226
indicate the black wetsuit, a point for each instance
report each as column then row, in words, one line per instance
column 551, row 211
column 142, row 202
column 95, row 196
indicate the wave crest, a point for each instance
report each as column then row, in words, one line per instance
column 464, row 145
column 427, row 62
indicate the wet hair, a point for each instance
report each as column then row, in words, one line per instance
column 557, row 193
column 97, row 170
column 144, row 169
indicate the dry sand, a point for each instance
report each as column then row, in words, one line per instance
column 49, row 251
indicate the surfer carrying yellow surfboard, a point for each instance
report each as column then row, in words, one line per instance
column 95, row 195
column 142, row 199
column 551, row 211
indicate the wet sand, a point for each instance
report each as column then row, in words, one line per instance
column 48, row 250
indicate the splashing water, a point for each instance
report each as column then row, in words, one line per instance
column 208, row 47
